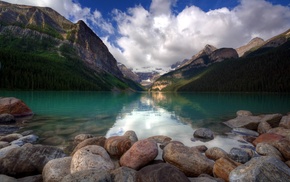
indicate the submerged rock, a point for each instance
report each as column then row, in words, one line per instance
column 81, row 137
column 261, row 169
column 244, row 131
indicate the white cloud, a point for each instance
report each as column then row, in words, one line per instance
column 157, row 37
column 72, row 11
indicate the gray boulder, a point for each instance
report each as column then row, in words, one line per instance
column 124, row 174
column 268, row 150
column 28, row 160
column 203, row 133
column 249, row 122
column 91, row 175
column 285, row 122
column 56, row 169
column 91, row 157
column 161, row 172
column 261, row 169
column 239, row 155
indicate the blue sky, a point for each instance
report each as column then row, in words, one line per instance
column 158, row 33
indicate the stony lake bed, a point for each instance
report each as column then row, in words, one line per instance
column 262, row 147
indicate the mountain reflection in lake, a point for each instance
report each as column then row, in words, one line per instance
column 60, row 116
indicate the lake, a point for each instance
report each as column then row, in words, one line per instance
column 60, row 116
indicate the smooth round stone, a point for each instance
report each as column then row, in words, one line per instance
column 90, row 175
column 117, row 145
column 204, row 133
column 223, row 167
column 7, row 119
column 124, row 174
column 81, row 137
column 215, row 153
column 244, row 113
column 268, row 150
column 239, row 155
column 11, row 137
column 132, row 136
column 100, row 141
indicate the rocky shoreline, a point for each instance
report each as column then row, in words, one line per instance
column 125, row 158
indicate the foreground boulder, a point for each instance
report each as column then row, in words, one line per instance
column 90, row 175
column 14, row 106
column 56, row 169
column 261, row 169
column 140, row 154
column 215, row 153
column 124, row 174
column 28, row 160
column 239, row 155
column 91, row 157
column 188, row 160
column 223, row 167
column 117, row 145
column 161, row 172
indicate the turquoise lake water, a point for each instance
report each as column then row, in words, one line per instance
column 59, row 116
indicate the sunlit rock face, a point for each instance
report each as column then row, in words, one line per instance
column 36, row 22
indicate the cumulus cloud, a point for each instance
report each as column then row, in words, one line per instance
column 158, row 38
column 72, row 11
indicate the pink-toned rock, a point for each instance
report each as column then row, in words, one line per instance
column 285, row 122
column 223, row 167
column 280, row 131
column 269, row 138
column 140, row 154
column 81, row 137
column 14, row 106
column 188, row 160
column 118, row 145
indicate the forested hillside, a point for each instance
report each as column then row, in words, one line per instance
column 39, row 64
column 260, row 72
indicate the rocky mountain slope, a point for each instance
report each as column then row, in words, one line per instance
column 254, row 43
column 262, row 69
column 52, row 34
column 202, row 59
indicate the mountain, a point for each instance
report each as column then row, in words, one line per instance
column 262, row 69
column 254, row 43
column 54, row 50
column 128, row 73
column 204, row 58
